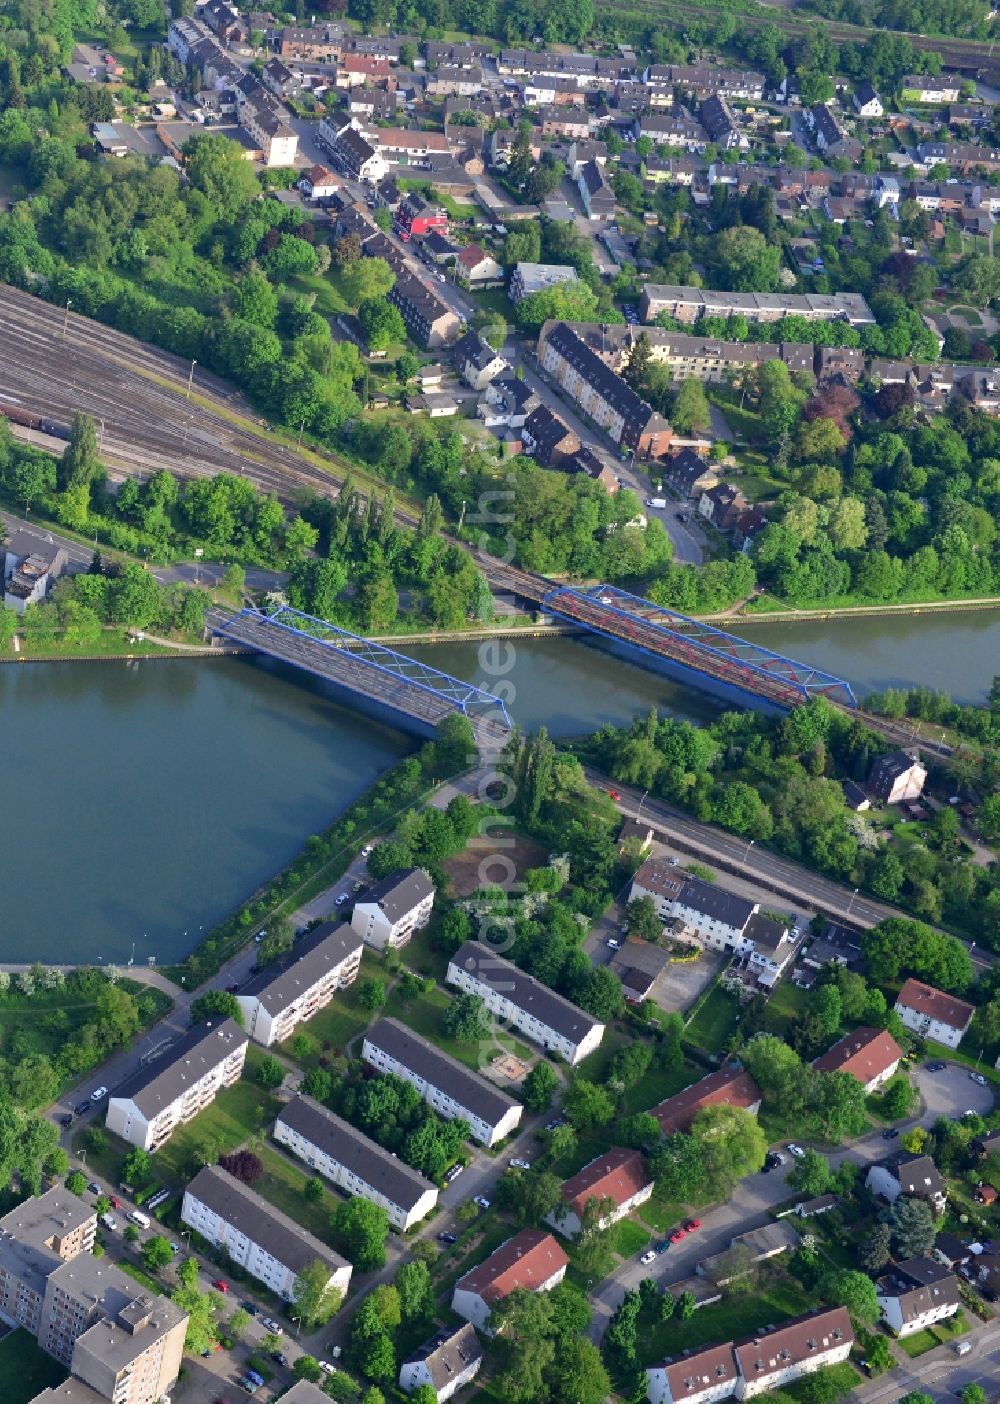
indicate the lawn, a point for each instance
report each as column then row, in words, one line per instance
column 659, row 1084
column 494, row 300
column 237, row 1113
column 918, row 1343
column 775, row 1297
column 424, row 1016
column 334, row 1027
column 628, row 1238
column 714, row 1022
column 843, row 1378
column 784, row 1007
column 329, row 298
column 25, row 1369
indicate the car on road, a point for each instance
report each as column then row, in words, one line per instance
column 795, row 1150
column 978, row 1077
column 520, row 1164
column 81, row 1108
column 555, row 1123
column 936, row 1067
column 251, row 1308
column 682, row 517
column 94, row 1187
column 221, row 1286
column 453, row 1173
column 795, row 932
column 678, row 1235
column 231, row 989
column 612, row 944
column 100, row 1092
column 890, row 1133
column 278, row 1358
column 341, row 898
column 648, row 1257
column 325, row 1365
column 613, row 794
column 662, row 1245
column 447, row 1237
column 673, row 862
column 366, row 850
column 692, row 1225
column 260, row 936
column 481, row 1200
column 115, row 1201
column 110, row 1222
column 269, row 1324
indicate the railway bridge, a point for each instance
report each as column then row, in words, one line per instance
column 724, row 662
column 406, row 691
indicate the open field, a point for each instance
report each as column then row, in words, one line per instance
column 25, row 1369
column 488, row 862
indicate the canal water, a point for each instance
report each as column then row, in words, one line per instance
column 145, row 801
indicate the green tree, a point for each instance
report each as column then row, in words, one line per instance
column 270, row 1073
column 642, row 919
column 314, row 1297
column 855, row 1291
column 371, row 994
column 415, row 1290
column 745, row 260
column 362, row 1228
column 80, row 463
column 238, row 1324
column 587, row 1105
column 217, row 167
column 156, row 1253
column 381, row 323
column 76, row 1183
column 912, row 1225
column 306, row 1367
column 539, row 1087
column 137, row 1167
column 810, row 1175
column 731, row 1145
column 201, row 1309
column 365, row 279
column 577, row 1374
column 690, row 412
column 216, row 1003
column 466, row 1018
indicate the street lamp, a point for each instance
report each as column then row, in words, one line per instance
column 69, row 304
column 641, row 803
column 851, row 902
column 746, row 855
column 191, row 378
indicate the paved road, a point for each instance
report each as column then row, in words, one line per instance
column 940, row 1373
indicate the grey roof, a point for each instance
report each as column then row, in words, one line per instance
column 70, row 1392
column 439, row 1069
column 525, row 991
column 602, row 379
column 716, row 902
column 196, row 1053
column 129, row 1318
column 764, row 933
column 28, row 1233
column 29, row 543
column 447, row 1354
column 313, row 956
column 916, row 1174
column 399, row 893
column 304, row 1392
column 287, row 1242
column 379, row 1168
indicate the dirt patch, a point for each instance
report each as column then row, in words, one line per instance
column 497, row 860
column 506, row 1066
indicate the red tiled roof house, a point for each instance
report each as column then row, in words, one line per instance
column 531, row 1260
column 619, row 1175
column 870, row 1055
column 729, row 1086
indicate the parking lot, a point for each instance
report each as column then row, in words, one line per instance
column 950, row 1092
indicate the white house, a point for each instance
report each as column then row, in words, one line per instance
column 476, row 361
column 447, row 1362
column 319, row 183
column 913, row 1175
column 30, row 564
column 619, row 1174
column 914, row 1294
column 867, row 102
column 451, row 1088
column 297, row 985
column 871, row 1055
column 387, row 915
column 354, row 1163
column 933, row 1014
column 147, row 1107
column 540, row 1014
column 531, row 1260
column 477, row 266
column 272, row 1247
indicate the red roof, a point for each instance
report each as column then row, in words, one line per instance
column 867, row 1053
column 618, row 1174
column 730, row 1087
column 708, row 1368
column 527, row 1260
column 770, row 1352
column 472, row 256
column 935, row 1004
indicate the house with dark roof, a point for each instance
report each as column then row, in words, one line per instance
column 639, row 965
column 548, row 438
column 713, row 913
column 870, row 1055
column 447, row 1085
column 301, row 982
column 912, row 1295
column 933, row 1014
column 476, row 361
column 356, row 156
column 619, row 1176
column 866, row 101
column 913, row 1175
column 595, row 192
column 524, row 1002
column 446, row 1363
column 603, row 396
column 272, row 1247
column 147, row 1107
column 507, row 402
column 352, row 1162
column 531, row 1261
column 897, row 777
column 689, row 473
column 386, row 916
column 729, row 1086
column 428, row 318
column 30, row 565
column 716, row 116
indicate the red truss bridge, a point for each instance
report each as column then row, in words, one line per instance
column 684, row 643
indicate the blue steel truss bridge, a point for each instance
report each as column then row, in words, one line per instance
column 725, row 659
column 422, row 695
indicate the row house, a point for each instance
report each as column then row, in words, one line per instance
column 541, row 1015
column 705, row 80
column 468, row 55
column 262, row 118
column 353, row 152
column 688, row 304
column 268, row 1244
column 932, row 1014
column 147, row 1107
column 595, row 192
column 404, row 146
column 715, row 361
column 476, row 361
column 897, row 776
column 531, row 1261
column 355, row 70
column 584, row 69
column 477, row 267
column 916, row 1293
column 416, row 217
column 549, row 439
column 227, row 24
column 772, row 1357
column 355, row 1164
column 866, row 101
column 428, row 318
column 602, row 395
column 300, row 983
column 619, row 1175
column 570, row 122
column 500, row 143
column 529, row 278
column 279, row 79
column 444, row 1083
column 674, row 170
column 507, row 403
column 960, row 155
column 677, row 129
column 553, row 92
column 319, row 43
column 729, row 1086
column 689, row 474
column 918, row 87
column 716, row 116
column 870, row 1055
column 450, row 81
column 446, row 1363
column 583, row 151
column 374, row 104
column 387, row 915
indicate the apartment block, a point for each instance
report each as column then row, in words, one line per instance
column 529, row 278
column 428, row 318
column 933, row 1014
column 447, row 1363
column 354, row 1163
column 687, row 304
column 443, row 1082
column 149, row 1106
column 531, row 1261
column 35, row 1238
column 387, row 915
column 271, row 1246
column 916, row 1293
column 542, row 1015
column 619, row 1175
column 300, row 983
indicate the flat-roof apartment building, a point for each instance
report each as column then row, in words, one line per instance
column 687, row 304
column 443, row 1082
column 297, row 985
column 538, row 1012
column 353, row 1162
column 35, row 1238
column 149, row 1106
column 271, row 1246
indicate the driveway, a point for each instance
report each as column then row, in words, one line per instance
column 951, row 1092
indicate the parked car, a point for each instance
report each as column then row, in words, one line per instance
column 115, row 1201
column 110, row 1222
column 366, row 850
column 269, row 1324
column 81, row 1108
column 612, row 944
column 613, row 794
column 890, row 1133
column 327, row 1368
column 66, row 1120
column 278, row 1358
column 692, row 1225
column 678, row 1235
column 520, row 1164
column 251, row 1308
column 453, row 1173
column 100, row 1092
column 795, row 1150
column 221, row 1286
column 936, row 1067
column 662, row 1246
column 341, row 898
column 978, row 1077
column 481, row 1200
column 555, row 1123
column 673, row 862
column 94, row 1187
column 648, row 1257
column 447, row 1237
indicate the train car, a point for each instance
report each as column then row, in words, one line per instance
column 28, row 420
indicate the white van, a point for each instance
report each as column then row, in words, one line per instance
column 137, row 1217
column 656, row 502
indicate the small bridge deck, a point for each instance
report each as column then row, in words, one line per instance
column 382, row 675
